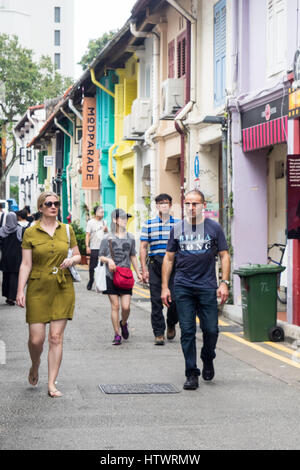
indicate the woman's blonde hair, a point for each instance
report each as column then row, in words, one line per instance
column 43, row 196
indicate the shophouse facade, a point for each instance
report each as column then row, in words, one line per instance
column 262, row 132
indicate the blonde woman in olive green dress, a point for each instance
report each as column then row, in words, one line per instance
column 50, row 294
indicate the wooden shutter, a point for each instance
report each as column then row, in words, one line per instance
column 42, row 170
column 119, row 112
column 59, row 151
column 130, row 93
column 182, row 54
column 219, row 52
column 276, row 36
column 171, row 59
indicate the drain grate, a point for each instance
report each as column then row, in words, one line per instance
column 137, row 388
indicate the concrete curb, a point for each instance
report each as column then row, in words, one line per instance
column 234, row 313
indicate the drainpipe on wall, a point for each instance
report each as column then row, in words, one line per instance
column 68, row 167
column 75, row 111
column 31, row 120
column 110, row 163
column 155, row 104
column 99, row 85
column 181, row 115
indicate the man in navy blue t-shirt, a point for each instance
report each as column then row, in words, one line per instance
column 196, row 242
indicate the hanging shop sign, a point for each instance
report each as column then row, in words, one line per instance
column 265, row 125
column 293, row 196
column 48, row 160
column 90, row 157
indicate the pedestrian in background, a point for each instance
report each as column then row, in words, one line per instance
column 10, row 239
column 196, row 241
column 22, row 218
column 95, row 229
column 118, row 249
column 155, row 235
column 50, row 294
column 2, row 215
column 29, row 217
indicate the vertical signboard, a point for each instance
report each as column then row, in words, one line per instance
column 90, row 160
column 293, row 196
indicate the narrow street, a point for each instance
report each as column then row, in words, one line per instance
column 253, row 402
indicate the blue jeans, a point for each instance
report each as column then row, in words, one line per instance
column 202, row 302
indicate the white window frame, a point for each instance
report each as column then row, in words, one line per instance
column 276, row 36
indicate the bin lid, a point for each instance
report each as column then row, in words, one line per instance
column 246, row 270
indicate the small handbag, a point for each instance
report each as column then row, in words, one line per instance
column 74, row 273
column 100, row 277
column 123, row 277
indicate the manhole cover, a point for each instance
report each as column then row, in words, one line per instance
column 137, row 388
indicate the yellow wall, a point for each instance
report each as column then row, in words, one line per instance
column 126, row 92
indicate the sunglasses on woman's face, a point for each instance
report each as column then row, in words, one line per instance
column 52, row 203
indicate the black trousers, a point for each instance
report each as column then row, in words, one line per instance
column 10, row 285
column 93, row 263
column 157, row 317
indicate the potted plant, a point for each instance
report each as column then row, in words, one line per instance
column 80, row 237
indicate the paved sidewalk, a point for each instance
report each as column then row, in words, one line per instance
column 243, row 408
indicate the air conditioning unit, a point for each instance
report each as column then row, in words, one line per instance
column 172, row 97
column 127, row 129
column 141, row 115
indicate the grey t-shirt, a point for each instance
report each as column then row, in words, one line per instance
column 123, row 248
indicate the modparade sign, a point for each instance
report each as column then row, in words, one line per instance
column 90, row 157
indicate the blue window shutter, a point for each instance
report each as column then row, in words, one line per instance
column 219, row 52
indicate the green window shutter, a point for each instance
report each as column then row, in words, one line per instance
column 42, row 170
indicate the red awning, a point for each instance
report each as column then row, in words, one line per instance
column 265, row 134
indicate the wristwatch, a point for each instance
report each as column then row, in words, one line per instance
column 226, row 282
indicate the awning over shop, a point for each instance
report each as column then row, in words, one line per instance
column 265, row 134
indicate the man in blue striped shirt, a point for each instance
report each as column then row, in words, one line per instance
column 155, row 236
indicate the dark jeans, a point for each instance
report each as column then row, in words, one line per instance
column 93, row 263
column 191, row 302
column 10, row 285
column 157, row 317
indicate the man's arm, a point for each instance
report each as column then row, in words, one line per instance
column 223, row 290
column 143, row 257
column 165, row 276
column 87, row 243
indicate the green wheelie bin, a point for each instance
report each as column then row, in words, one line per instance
column 259, row 301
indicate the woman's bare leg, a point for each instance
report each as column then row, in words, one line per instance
column 125, row 305
column 37, row 333
column 56, row 336
column 115, row 305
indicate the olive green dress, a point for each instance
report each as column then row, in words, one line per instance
column 50, row 292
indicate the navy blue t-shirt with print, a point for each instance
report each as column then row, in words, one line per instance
column 196, row 248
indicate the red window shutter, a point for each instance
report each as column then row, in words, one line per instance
column 171, row 62
column 181, row 54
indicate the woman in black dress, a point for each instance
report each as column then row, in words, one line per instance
column 10, row 241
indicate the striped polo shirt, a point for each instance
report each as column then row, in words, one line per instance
column 157, row 233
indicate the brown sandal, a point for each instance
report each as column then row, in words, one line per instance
column 33, row 380
column 55, row 394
